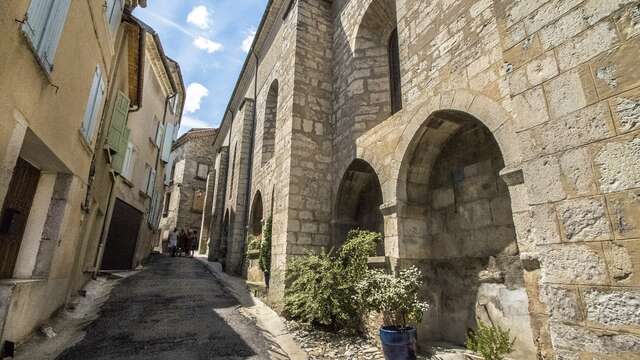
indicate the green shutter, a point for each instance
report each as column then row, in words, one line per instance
column 121, row 151
column 118, row 124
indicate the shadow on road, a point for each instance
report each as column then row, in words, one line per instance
column 174, row 309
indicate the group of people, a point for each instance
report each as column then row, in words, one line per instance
column 182, row 242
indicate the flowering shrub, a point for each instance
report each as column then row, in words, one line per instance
column 396, row 297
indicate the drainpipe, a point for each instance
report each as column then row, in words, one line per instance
column 245, row 226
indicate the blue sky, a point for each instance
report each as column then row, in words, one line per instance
column 210, row 40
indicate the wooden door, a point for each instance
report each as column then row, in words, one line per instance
column 122, row 237
column 15, row 211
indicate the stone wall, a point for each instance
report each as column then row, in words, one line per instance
column 553, row 86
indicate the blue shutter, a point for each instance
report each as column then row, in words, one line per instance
column 168, row 140
column 114, row 13
column 36, row 20
column 53, row 31
column 118, row 123
column 92, row 112
column 167, row 171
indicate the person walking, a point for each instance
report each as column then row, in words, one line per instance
column 173, row 241
column 194, row 242
column 182, row 242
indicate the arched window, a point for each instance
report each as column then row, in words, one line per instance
column 269, row 126
column 394, row 72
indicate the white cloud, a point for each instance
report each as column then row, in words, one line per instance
column 199, row 16
column 246, row 43
column 195, row 93
column 206, row 45
column 189, row 122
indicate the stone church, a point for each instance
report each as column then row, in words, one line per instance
column 494, row 143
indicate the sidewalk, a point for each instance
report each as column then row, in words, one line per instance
column 281, row 342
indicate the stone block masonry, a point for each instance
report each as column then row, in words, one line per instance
column 510, row 174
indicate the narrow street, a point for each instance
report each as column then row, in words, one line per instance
column 174, row 309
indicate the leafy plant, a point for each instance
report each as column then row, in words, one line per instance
column 265, row 247
column 322, row 287
column 490, row 341
column 396, row 297
column 253, row 243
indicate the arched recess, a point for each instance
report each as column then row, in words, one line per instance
column 270, row 121
column 467, row 242
column 257, row 211
column 358, row 203
column 376, row 71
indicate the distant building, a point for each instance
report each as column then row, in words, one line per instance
column 191, row 161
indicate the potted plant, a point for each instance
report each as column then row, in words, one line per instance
column 397, row 299
column 491, row 342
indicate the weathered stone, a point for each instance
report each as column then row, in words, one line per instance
column 543, row 179
column 621, row 255
column 586, row 45
column 570, row 337
column 577, row 174
column 537, row 226
column 530, row 109
column 542, row 68
column 562, row 303
column 570, row 91
column 624, row 209
column 584, row 219
column 614, row 71
column 565, row 28
column 616, row 164
column 626, row 111
column 612, row 307
column 570, row 264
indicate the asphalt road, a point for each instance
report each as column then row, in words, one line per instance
column 174, row 309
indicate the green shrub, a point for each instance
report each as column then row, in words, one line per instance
column 490, row 341
column 322, row 288
column 265, row 247
column 253, row 243
column 396, row 297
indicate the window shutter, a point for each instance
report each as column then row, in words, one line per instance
column 118, row 122
column 114, row 13
column 152, row 182
column 159, row 134
column 53, row 31
column 168, row 140
column 94, row 105
column 121, row 150
column 36, row 20
column 167, row 171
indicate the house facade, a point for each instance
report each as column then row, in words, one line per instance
column 72, row 67
column 185, row 196
column 493, row 143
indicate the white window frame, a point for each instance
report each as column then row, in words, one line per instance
column 129, row 162
column 45, row 28
column 113, row 14
column 95, row 104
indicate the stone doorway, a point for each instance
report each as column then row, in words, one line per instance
column 358, row 203
column 471, row 258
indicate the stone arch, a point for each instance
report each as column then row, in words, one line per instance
column 358, row 203
column 257, row 215
column 270, row 122
column 370, row 87
column 456, row 221
column 487, row 111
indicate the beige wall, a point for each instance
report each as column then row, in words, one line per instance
column 41, row 119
